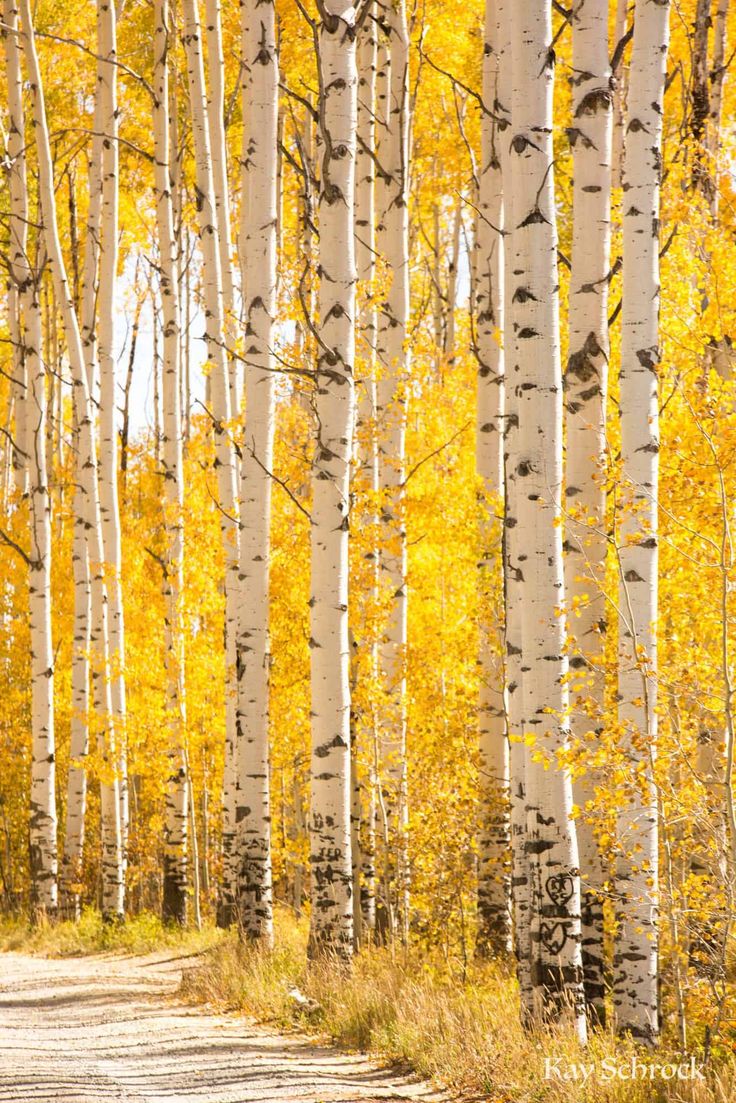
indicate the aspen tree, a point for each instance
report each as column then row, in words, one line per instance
column 700, row 99
column 364, row 805
column 218, row 150
column 260, row 191
column 82, row 547
column 76, row 791
column 331, row 927
column 551, row 843
column 43, row 828
column 106, row 306
column 636, row 950
column 392, row 241
column 619, row 78
column 112, row 870
column 494, row 913
column 19, row 282
column 220, row 389
column 716, row 78
column 513, row 578
column 30, row 461
column 586, row 382
column 177, row 792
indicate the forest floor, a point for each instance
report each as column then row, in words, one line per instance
column 105, row 1027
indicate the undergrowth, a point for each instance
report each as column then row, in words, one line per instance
column 458, row 1026
column 139, row 934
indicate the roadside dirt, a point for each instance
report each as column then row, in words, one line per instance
column 105, row 1028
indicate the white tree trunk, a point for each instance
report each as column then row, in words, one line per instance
column 557, row 975
column 176, row 821
column 636, row 950
column 513, row 579
column 220, row 388
column 392, row 239
column 260, row 189
column 366, row 730
column 586, row 384
column 112, row 879
column 76, row 791
column 620, row 78
column 43, row 844
column 329, row 827
column 19, row 289
column 218, row 150
column 108, row 465
column 717, row 76
column 494, row 898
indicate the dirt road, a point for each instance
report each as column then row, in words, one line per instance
column 106, row 1028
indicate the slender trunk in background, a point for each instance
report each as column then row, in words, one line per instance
column 76, row 791
column 620, row 79
column 635, row 978
column 363, row 756
column 43, row 827
column 452, row 275
column 175, row 824
column 700, row 100
column 218, row 152
column 305, row 142
column 112, row 871
column 88, row 303
column 331, row 928
column 260, row 189
column 716, row 77
column 438, row 301
column 19, row 275
column 585, row 389
column 494, row 888
column 392, row 240
column 108, row 467
column 220, row 388
column 513, row 581
column 125, row 428
column 557, row 975
column 31, row 473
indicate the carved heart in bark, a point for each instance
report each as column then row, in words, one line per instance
column 559, row 888
column 553, row 936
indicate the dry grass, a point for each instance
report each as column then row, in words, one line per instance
column 464, row 1034
column 140, row 934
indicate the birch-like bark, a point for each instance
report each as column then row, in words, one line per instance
column 112, row 879
column 19, row 282
column 31, row 473
column 364, row 795
column 76, row 790
column 260, row 191
column 177, row 790
column 700, row 100
column 220, row 387
column 108, row 466
column 716, row 77
column 512, row 579
column 218, row 151
column 586, row 384
column 557, row 975
column 452, row 278
column 392, row 240
column 620, row 80
column 43, row 828
column 331, row 928
column 494, row 889
column 636, row 950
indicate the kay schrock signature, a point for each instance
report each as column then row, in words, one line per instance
column 558, row 1068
